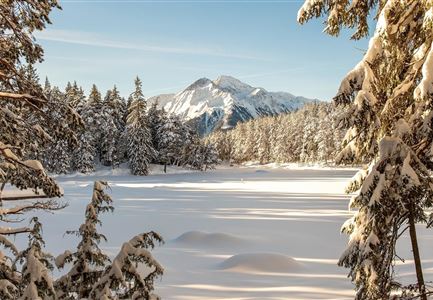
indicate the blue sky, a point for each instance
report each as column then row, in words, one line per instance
column 171, row 43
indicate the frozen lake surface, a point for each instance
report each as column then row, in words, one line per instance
column 231, row 233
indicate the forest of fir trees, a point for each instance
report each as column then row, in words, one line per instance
column 310, row 135
column 118, row 131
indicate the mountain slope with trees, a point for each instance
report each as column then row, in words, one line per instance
column 209, row 105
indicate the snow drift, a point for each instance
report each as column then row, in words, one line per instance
column 261, row 262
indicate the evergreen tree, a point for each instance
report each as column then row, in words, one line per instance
column 210, row 156
column 156, row 118
column 56, row 155
column 24, row 121
column 170, row 141
column 123, row 279
column 87, row 151
column 83, row 156
column 389, row 95
column 93, row 275
column 140, row 148
column 75, row 96
column 88, row 261
column 36, row 282
column 47, row 86
column 113, row 110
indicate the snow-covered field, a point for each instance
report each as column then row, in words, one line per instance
column 232, row 233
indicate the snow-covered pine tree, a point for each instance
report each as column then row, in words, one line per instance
column 222, row 142
column 75, row 96
column 86, row 153
column 192, row 150
column 95, row 99
column 170, row 141
column 113, row 111
column 47, row 86
column 57, row 155
column 265, row 133
column 189, row 147
column 83, row 156
column 10, row 278
column 250, row 145
column 310, row 128
column 133, row 271
column 239, row 142
column 140, row 148
column 297, row 122
column 92, row 275
column 156, row 118
column 389, row 94
column 281, row 142
column 25, row 124
column 210, row 156
column 88, row 261
column 36, row 281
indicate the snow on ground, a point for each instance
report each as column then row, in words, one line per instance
column 233, row 233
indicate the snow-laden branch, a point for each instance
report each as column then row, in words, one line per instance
column 10, row 231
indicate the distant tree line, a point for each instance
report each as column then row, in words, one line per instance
column 118, row 131
column 311, row 134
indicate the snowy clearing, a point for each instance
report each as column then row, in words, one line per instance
column 232, row 233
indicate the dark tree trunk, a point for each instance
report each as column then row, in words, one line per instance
column 165, row 168
column 416, row 256
column 2, row 188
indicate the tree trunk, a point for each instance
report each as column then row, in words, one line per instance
column 1, row 192
column 165, row 168
column 2, row 188
column 416, row 256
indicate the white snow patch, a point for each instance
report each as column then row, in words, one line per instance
column 295, row 212
column 261, row 262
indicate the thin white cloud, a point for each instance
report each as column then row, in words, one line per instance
column 96, row 40
column 272, row 73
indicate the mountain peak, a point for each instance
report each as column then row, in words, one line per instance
column 225, row 81
column 199, row 83
column 222, row 103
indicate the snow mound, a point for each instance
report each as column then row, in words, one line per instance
column 205, row 239
column 260, row 262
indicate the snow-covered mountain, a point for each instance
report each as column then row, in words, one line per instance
column 222, row 103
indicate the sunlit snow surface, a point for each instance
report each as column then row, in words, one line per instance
column 232, row 233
